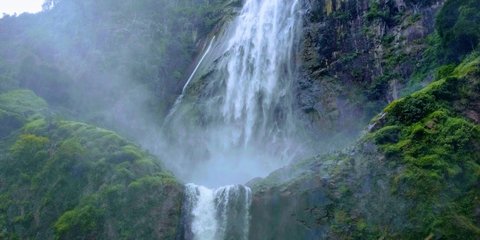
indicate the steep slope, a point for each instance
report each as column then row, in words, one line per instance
column 359, row 55
column 102, row 61
column 414, row 175
column 70, row 180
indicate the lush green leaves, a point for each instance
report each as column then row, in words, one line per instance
column 436, row 149
column 69, row 179
column 458, row 25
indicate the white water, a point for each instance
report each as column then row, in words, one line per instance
column 180, row 98
column 204, row 223
column 198, row 65
column 234, row 120
column 260, row 70
column 218, row 213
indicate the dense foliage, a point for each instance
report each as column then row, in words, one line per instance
column 75, row 181
column 458, row 25
column 434, row 137
column 96, row 61
column 87, row 56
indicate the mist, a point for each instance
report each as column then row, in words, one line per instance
column 234, row 120
column 175, row 78
column 119, row 66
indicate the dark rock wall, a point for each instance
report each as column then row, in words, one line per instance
column 413, row 175
column 336, row 198
column 357, row 56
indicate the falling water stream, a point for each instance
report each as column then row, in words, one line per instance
column 234, row 120
column 221, row 213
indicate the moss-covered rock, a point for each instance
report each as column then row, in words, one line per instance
column 23, row 102
column 438, row 148
column 70, row 180
column 415, row 175
column 359, row 55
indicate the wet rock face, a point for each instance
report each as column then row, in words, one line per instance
column 303, row 207
column 380, row 188
column 357, row 56
column 336, row 197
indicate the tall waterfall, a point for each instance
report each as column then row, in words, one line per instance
column 260, row 71
column 234, row 120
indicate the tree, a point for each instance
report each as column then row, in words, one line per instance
column 458, row 25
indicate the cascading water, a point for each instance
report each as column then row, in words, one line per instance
column 218, row 214
column 260, row 70
column 234, row 120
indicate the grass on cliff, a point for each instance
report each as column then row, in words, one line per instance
column 434, row 136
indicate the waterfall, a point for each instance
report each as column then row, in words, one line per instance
column 234, row 120
column 179, row 99
column 218, row 214
column 235, row 116
column 260, row 70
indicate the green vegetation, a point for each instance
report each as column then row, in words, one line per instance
column 70, row 180
column 415, row 176
column 18, row 107
column 429, row 137
column 385, row 11
column 458, row 25
column 85, row 56
column 22, row 102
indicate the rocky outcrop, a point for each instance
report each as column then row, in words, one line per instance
column 414, row 175
column 336, row 197
column 359, row 55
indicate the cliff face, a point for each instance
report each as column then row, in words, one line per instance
column 354, row 58
column 414, row 173
column 413, row 176
column 359, row 55
column 315, row 202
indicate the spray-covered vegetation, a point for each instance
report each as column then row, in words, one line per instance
column 75, row 181
column 114, row 63
column 97, row 60
column 434, row 137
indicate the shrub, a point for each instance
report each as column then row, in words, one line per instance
column 458, row 25
column 85, row 221
column 412, row 108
